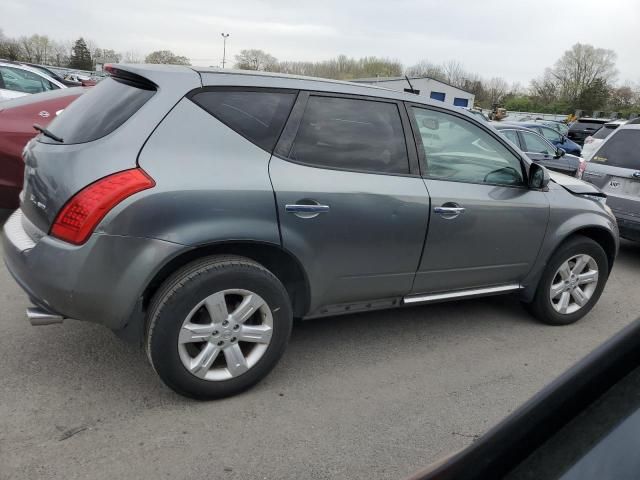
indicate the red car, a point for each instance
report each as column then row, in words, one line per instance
column 16, row 129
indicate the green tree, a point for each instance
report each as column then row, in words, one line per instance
column 80, row 56
column 166, row 57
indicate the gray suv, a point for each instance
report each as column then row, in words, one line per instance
column 199, row 211
column 615, row 168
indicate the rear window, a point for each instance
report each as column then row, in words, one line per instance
column 259, row 116
column 99, row 112
column 621, row 150
column 587, row 124
column 604, row 132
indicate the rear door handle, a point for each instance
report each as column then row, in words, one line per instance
column 302, row 210
column 449, row 211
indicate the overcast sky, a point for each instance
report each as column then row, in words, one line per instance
column 513, row 39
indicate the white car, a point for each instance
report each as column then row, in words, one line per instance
column 593, row 142
column 18, row 80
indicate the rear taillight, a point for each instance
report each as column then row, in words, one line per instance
column 79, row 217
column 581, row 168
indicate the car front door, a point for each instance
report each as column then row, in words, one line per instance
column 542, row 151
column 486, row 225
column 351, row 203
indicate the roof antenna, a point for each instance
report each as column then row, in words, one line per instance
column 411, row 89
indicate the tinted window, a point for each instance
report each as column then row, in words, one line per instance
column 257, row 116
column 351, row 134
column 621, row 150
column 586, row 124
column 535, row 144
column 458, row 150
column 512, row 136
column 604, row 132
column 24, row 81
column 98, row 112
column 551, row 134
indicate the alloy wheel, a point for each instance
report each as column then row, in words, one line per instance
column 225, row 335
column 573, row 284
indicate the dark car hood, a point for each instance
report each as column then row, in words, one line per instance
column 575, row 185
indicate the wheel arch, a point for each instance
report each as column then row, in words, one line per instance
column 282, row 263
column 600, row 234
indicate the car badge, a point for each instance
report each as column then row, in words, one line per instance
column 44, row 114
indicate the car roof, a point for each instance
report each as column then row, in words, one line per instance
column 211, row 77
column 632, row 126
column 594, row 120
column 512, row 126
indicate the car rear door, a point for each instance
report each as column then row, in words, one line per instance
column 351, row 203
column 615, row 168
column 486, row 226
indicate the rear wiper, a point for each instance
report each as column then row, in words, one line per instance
column 47, row 133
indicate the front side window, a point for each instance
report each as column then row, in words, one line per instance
column 535, row 144
column 351, row 134
column 512, row 136
column 458, row 150
column 551, row 135
column 621, row 150
column 256, row 115
column 24, row 81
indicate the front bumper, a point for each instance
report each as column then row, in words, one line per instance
column 100, row 281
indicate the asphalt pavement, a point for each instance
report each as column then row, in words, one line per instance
column 367, row 396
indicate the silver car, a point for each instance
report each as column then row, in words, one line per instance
column 198, row 211
column 615, row 168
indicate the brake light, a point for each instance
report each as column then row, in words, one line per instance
column 581, row 168
column 79, row 217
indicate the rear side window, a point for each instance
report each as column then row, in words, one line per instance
column 621, row 150
column 256, row 115
column 99, row 111
column 351, row 134
column 512, row 135
column 604, row 132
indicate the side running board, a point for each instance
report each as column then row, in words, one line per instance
column 476, row 292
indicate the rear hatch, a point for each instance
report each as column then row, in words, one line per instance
column 102, row 133
column 615, row 168
column 584, row 128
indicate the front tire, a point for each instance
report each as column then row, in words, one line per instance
column 571, row 283
column 218, row 326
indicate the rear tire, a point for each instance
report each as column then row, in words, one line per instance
column 218, row 326
column 572, row 282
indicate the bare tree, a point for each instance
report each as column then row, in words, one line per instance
column 545, row 88
column 167, row 57
column 131, row 56
column 425, row 68
column 454, row 73
column 496, row 89
column 254, row 59
column 580, row 67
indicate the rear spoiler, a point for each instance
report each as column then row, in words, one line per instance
column 504, row 447
column 130, row 78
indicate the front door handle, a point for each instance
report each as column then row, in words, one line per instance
column 449, row 210
column 306, row 210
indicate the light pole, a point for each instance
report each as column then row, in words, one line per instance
column 224, row 48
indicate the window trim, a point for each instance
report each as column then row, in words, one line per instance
column 290, row 131
column 236, row 88
column 524, row 164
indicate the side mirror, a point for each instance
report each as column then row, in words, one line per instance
column 430, row 123
column 560, row 152
column 538, row 177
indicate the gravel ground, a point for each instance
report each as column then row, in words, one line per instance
column 367, row 396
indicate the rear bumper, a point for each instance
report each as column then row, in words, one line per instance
column 100, row 281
